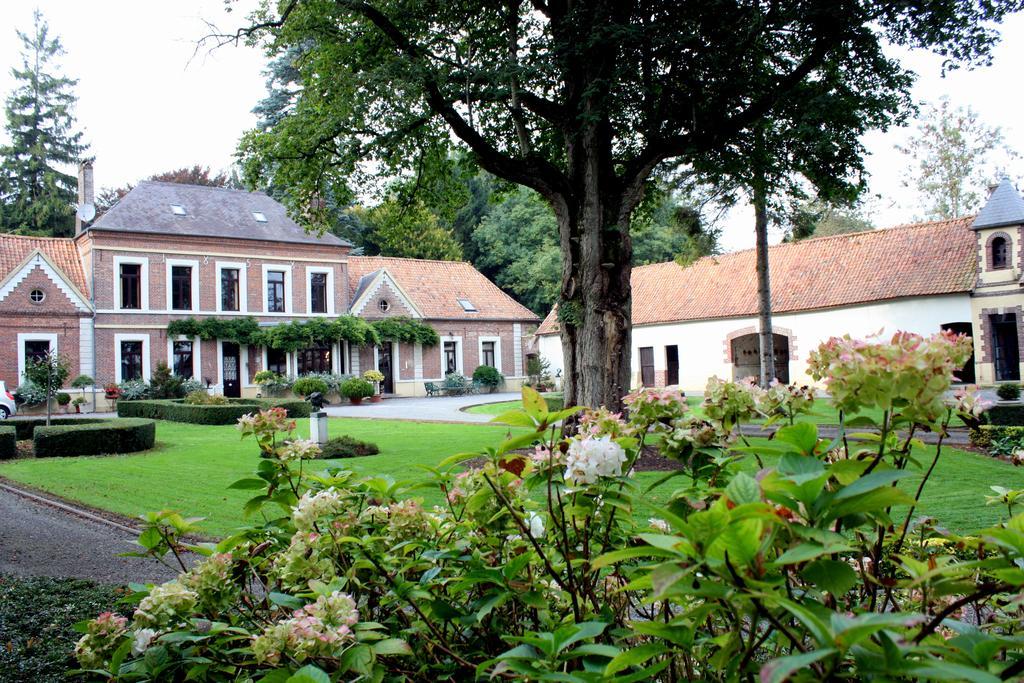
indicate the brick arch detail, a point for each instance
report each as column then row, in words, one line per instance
column 988, row 249
column 750, row 329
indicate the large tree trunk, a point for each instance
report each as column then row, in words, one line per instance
column 764, row 288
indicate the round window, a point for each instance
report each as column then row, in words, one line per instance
column 37, row 296
column 384, row 305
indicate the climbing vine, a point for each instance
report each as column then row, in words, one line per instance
column 408, row 330
column 294, row 335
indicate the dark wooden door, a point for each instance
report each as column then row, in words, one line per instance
column 671, row 365
column 966, row 374
column 384, row 366
column 231, row 369
column 1006, row 348
column 647, row 366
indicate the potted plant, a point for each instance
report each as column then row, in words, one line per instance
column 111, row 391
column 1008, row 393
column 355, row 390
column 63, row 399
column 489, row 377
column 78, row 403
column 376, row 377
column 304, row 386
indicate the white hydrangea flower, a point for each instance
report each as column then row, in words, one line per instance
column 659, row 525
column 591, row 458
column 140, row 642
column 298, row 449
column 310, row 508
column 535, row 522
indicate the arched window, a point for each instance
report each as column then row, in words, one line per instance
column 1000, row 253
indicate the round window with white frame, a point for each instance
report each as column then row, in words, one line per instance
column 384, row 305
column 37, row 296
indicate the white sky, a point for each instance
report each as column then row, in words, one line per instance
column 149, row 103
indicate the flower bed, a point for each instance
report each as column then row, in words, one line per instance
column 126, row 435
column 8, row 442
column 176, row 410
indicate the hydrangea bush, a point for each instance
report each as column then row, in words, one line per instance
column 799, row 558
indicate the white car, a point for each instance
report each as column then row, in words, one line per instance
column 7, row 406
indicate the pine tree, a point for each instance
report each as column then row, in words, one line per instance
column 37, row 195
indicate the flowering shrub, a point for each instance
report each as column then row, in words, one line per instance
column 540, row 566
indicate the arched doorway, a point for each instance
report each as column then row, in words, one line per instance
column 966, row 374
column 746, row 357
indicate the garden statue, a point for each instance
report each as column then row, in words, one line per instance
column 317, row 400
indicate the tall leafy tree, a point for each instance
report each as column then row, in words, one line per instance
column 817, row 218
column 38, row 193
column 580, row 101
column 954, row 156
column 412, row 231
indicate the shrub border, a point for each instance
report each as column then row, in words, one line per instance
column 8, row 442
column 125, row 435
column 176, row 410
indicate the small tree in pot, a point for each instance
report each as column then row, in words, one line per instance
column 376, row 377
column 48, row 372
column 356, row 389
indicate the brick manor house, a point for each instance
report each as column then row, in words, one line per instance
column 165, row 252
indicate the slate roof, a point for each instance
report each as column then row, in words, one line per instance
column 1004, row 207
column 922, row 259
column 61, row 251
column 209, row 212
column 436, row 286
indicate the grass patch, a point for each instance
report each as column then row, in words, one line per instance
column 192, row 466
column 554, row 403
column 37, row 614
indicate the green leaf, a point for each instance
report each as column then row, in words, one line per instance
column 872, row 481
column 534, row 404
column 743, row 489
column 873, row 501
column 948, row 671
column 392, row 646
column 249, row 484
column 580, row 631
column 309, row 674
column 288, row 601
column 803, row 435
column 515, row 418
column 357, row 658
column 834, row 576
column 778, row 670
column 633, row 656
column 809, row 551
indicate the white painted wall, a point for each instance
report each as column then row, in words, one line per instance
column 702, row 343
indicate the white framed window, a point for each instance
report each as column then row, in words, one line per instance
column 131, row 356
column 179, row 289
column 277, row 289
column 319, row 290
column 489, row 352
column 244, row 376
column 231, row 287
column 185, row 351
column 278, row 360
column 34, row 345
column 131, row 283
column 451, row 355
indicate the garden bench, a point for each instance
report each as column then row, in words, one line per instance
column 433, row 389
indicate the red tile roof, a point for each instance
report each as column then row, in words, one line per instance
column 436, row 286
column 61, row 251
column 921, row 259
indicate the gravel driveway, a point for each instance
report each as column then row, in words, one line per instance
column 39, row 540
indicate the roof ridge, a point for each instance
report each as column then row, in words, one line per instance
column 203, row 187
column 842, row 236
column 69, row 240
column 410, row 258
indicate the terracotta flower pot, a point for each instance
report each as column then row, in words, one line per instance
column 376, row 398
column 356, row 400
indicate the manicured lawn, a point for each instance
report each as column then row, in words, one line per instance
column 554, row 403
column 192, row 467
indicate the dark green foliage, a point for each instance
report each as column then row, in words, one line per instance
column 241, row 330
column 126, row 435
column 347, row 447
column 488, row 376
column 304, row 386
column 356, row 388
column 63, row 398
column 408, row 330
column 163, row 384
column 201, row 397
column 37, row 618
column 82, row 382
column 179, row 411
column 37, row 193
column 289, row 336
column 1008, row 392
column 26, row 425
column 1005, row 415
column 8, row 442
column 999, row 439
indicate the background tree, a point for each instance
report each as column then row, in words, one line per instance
column 817, row 218
column 48, row 372
column 394, row 229
column 580, row 102
column 954, row 157
column 37, row 195
column 187, row 175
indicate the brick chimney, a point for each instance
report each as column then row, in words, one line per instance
column 85, row 190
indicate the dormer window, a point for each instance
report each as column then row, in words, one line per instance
column 178, row 209
column 467, row 305
column 1000, row 253
column 259, row 216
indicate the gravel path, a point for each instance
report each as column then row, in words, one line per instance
column 39, row 540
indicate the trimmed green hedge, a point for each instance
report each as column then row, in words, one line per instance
column 8, row 442
column 1006, row 415
column 983, row 436
column 176, row 410
column 126, row 435
column 26, row 425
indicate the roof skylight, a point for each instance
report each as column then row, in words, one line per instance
column 178, row 209
column 467, row 305
column 259, row 216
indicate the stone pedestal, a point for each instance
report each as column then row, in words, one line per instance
column 318, row 427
